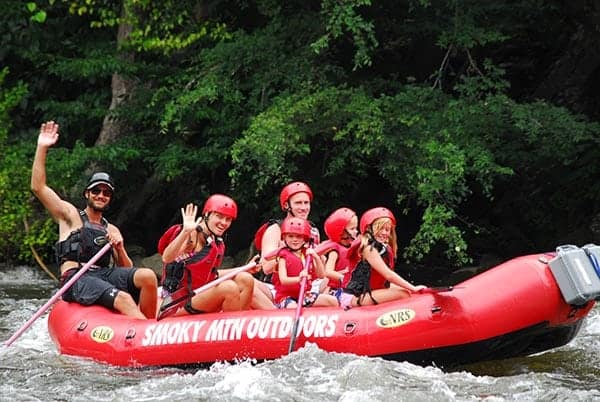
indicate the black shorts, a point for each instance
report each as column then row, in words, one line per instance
column 100, row 286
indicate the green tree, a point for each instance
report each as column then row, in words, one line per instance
column 14, row 194
column 428, row 105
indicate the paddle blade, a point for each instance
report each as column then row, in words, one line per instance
column 438, row 289
column 293, row 338
column 173, row 302
column 298, row 310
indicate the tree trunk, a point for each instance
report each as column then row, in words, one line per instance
column 570, row 80
column 112, row 126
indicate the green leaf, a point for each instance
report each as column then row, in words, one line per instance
column 39, row 17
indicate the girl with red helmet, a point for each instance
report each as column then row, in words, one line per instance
column 291, row 267
column 372, row 279
column 341, row 228
column 193, row 251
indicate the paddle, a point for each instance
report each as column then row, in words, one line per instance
column 174, row 301
column 440, row 289
column 58, row 294
column 299, row 304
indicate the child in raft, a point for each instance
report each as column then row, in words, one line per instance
column 293, row 265
column 341, row 228
column 371, row 256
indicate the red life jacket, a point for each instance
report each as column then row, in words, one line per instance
column 342, row 261
column 167, row 238
column 260, row 232
column 193, row 270
column 294, row 265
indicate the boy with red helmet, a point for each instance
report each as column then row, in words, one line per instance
column 372, row 279
column 292, row 267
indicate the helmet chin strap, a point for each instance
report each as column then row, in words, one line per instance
column 205, row 219
column 289, row 210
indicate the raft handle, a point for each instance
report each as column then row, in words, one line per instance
column 436, row 309
column 82, row 325
column 349, row 327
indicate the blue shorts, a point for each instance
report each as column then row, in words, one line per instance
column 100, row 286
column 309, row 299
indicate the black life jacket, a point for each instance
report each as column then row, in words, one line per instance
column 84, row 243
column 360, row 282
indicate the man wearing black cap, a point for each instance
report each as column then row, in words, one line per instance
column 82, row 234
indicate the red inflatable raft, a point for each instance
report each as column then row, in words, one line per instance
column 513, row 309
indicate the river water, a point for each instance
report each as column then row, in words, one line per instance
column 32, row 370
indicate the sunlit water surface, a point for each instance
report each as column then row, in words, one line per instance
column 32, row 370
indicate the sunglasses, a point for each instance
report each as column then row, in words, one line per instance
column 105, row 191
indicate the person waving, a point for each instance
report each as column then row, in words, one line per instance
column 112, row 282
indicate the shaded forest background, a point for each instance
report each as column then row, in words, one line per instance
column 476, row 122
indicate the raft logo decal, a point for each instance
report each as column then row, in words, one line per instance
column 393, row 319
column 234, row 329
column 102, row 334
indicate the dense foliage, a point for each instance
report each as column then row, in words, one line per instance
column 428, row 108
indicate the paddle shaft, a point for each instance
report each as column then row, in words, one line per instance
column 225, row 277
column 168, row 308
column 229, row 275
column 58, row 294
column 299, row 304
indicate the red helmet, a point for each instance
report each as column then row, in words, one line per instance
column 222, row 204
column 336, row 223
column 297, row 226
column 375, row 213
column 291, row 189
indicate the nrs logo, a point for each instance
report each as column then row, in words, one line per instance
column 395, row 318
column 102, row 334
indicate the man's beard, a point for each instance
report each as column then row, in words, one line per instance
column 90, row 204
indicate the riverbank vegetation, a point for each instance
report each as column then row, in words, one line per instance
column 475, row 122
